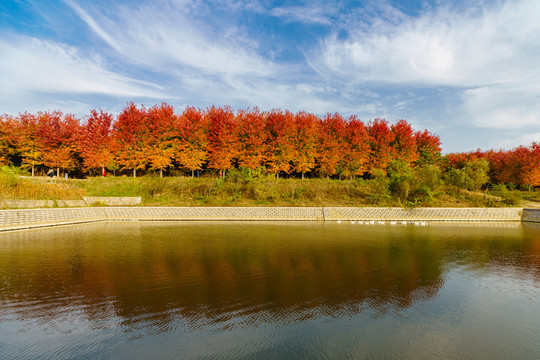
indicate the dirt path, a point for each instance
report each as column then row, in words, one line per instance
column 530, row 204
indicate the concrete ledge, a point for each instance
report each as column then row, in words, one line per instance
column 18, row 219
column 86, row 201
column 424, row 214
column 113, row 201
column 531, row 215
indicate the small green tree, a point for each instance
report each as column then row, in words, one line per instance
column 472, row 176
column 426, row 182
column 379, row 186
column 476, row 172
column 401, row 179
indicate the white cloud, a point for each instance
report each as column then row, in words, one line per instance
column 305, row 14
column 165, row 38
column 203, row 60
column 495, row 45
column 512, row 141
column 507, row 106
column 489, row 53
column 31, row 66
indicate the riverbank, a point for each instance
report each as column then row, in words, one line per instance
column 35, row 218
column 240, row 190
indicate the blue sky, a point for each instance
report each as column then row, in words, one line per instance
column 468, row 71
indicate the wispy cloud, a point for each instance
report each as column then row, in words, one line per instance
column 490, row 52
column 442, row 48
column 165, row 38
column 203, row 61
column 313, row 14
column 506, row 106
column 31, row 66
column 469, row 72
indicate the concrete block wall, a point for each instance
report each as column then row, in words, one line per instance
column 424, row 214
column 531, row 215
column 87, row 200
column 31, row 218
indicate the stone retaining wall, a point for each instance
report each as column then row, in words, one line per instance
column 424, row 214
column 531, row 215
column 85, row 201
column 32, row 218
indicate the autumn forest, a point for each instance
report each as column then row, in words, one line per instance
column 217, row 139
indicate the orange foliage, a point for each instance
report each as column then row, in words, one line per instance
column 27, row 141
column 381, row 140
column 305, row 142
column 519, row 166
column 280, row 148
column 428, row 147
column 222, row 141
column 57, row 134
column 358, row 151
column 251, row 138
column 95, row 140
column 160, row 143
column 404, row 143
column 130, row 134
column 7, row 139
column 331, row 144
column 192, row 141
column 157, row 138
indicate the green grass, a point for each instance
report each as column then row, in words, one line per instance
column 14, row 185
column 269, row 191
column 244, row 189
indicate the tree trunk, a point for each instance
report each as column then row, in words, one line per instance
column 134, row 172
column 161, row 173
column 192, row 173
column 32, row 169
column 57, row 172
column 302, row 176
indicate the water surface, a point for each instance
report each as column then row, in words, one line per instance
column 273, row 290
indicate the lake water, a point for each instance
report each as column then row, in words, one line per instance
column 272, row 290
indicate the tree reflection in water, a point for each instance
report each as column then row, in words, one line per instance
column 162, row 276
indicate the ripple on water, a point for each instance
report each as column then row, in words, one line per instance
column 275, row 290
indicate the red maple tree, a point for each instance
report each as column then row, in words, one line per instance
column 305, row 142
column 57, row 134
column 191, row 143
column 95, row 140
column 222, row 140
column 331, row 146
column 357, row 155
column 130, row 138
column 380, row 142
column 280, row 147
column 251, row 138
column 404, row 143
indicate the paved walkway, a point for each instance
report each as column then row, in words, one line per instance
column 33, row 218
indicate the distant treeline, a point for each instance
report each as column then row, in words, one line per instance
column 218, row 139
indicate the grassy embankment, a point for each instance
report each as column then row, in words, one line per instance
column 240, row 189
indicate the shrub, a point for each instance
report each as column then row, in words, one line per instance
column 472, row 176
column 379, row 186
column 400, row 180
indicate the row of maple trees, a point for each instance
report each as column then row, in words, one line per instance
column 218, row 138
column 215, row 138
column 520, row 166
